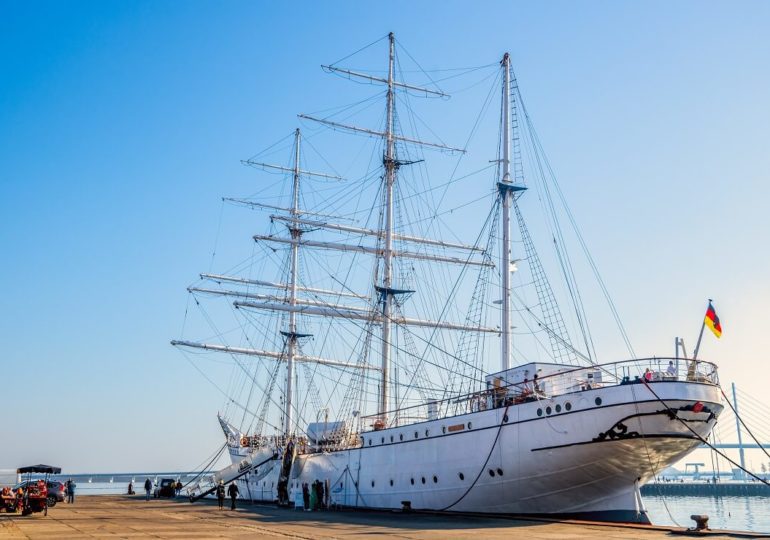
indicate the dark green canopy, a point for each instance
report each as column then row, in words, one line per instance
column 39, row 469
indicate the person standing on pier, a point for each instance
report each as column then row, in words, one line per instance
column 233, row 492
column 147, row 489
column 71, row 491
column 221, row 494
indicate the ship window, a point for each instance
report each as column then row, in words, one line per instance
column 491, row 472
column 558, row 408
column 340, row 484
column 382, row 440
column 505, row 418
column 470, row 425
column 435, row 479
column 401, row 437
column 391, row 481
column 370, row 442
column 568, row 406
column 423, row 479
column 443, row 429
column 540, row 412
column 391, row 438
column 462, row 476
column 499, row 471
column 427, row 433
column 548, row 410
column 416, row 434
column 598, row 401
column 372, row 483
column 412, row 480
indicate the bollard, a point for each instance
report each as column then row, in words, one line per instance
column 701, row 522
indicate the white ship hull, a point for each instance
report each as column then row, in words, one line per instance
column 586, row 462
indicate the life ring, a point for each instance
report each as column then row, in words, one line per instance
column 244, row 441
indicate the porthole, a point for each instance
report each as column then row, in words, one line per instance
column 470, row 425
column 370, row 442
column 391, row 481
column 340, row 485
column 427, row 433
column 539, row 413
column 568, row 406
column 491, row 472
column 372, row 483
column 416, row 435
column 382, row 441
column 401, row 437
column 391, row 438
column 435, row 479
column 499, row 472
column 355, row 484
column 505, row 418
column 462, row 476
column 423, row 479
column 412, row 481
column 598, row 401
column 548, row 410
column 558, row 408
column 443, row 429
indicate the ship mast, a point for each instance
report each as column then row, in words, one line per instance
column 291, row 337
column 387, row 281
column 506, row 193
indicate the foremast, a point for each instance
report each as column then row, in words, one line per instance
column 505, row 251
column 507, row 188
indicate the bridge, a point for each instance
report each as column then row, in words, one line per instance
column 754, row 414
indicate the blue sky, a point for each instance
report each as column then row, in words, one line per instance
column 123, row 123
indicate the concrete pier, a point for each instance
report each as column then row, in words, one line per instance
column 131, row 517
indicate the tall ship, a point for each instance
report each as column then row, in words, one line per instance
column 394, row 334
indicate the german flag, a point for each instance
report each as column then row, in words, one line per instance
column 712, row 321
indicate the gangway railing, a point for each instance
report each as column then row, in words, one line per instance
column 241, row 474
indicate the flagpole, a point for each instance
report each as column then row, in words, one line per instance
column 700, row 336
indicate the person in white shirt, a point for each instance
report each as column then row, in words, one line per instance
column 671, row 370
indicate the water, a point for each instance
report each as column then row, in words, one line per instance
column 736, row 513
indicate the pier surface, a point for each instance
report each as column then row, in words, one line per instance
column 106, row 516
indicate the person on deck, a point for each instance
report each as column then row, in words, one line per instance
column 233, row 492
column 221, row 494
column 647, row 375
column 671, row 369
column 147, row 489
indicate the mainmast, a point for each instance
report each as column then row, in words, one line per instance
column 291, row 335
column 506, row 193
column 387, row 280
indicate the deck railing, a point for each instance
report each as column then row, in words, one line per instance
column 566, row 381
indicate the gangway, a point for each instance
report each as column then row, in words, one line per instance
column 231, row 474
